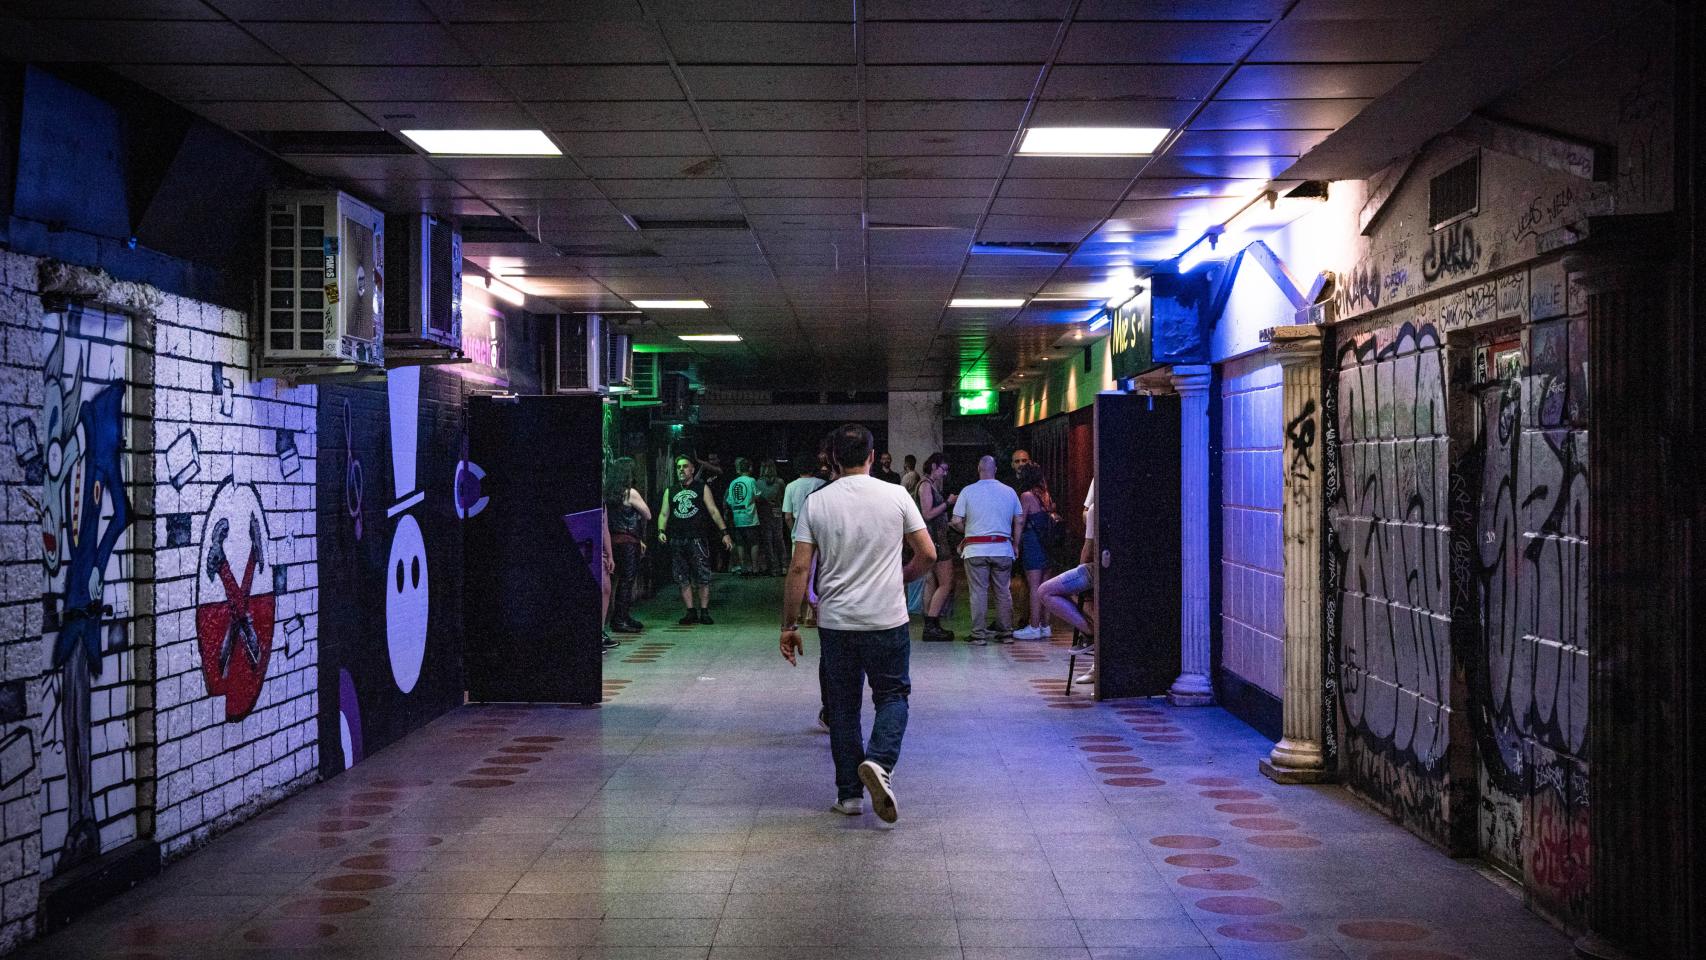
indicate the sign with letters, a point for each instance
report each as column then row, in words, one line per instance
column 1131, row 335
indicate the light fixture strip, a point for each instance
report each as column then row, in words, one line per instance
column 483, row 143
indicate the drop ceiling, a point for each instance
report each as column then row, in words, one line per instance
column 864, row 149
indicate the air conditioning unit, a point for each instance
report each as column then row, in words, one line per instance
column 646, row 374
column 618, row 363
column 424, row 308
column 325, row 295
column 579, row 353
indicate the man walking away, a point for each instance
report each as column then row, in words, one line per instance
column 989, row 513
column 742, row 499
column 910, row 477
column 855, row 528
column 685, row 519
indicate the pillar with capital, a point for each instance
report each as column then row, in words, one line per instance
column 1194, row 687
column 1298, row 757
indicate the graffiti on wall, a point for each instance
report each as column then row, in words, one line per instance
column 235, row 599
column 84, row 520
column 1390, row 522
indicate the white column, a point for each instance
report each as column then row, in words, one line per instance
column 1297, row 758
column 1194, row 686
column 915, row 424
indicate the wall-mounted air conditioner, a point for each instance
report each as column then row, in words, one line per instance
column 424, row 306
column 618, row 363
column 325, row 270
column 578, row 353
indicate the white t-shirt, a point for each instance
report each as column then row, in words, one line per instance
column 988, row 507
column 858, row 524
column 795, row 493
column 1090, row 512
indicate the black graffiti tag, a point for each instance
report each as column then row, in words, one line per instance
column 1301, row 432
column 1452, row 251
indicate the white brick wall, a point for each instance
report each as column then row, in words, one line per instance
column 1252, row 615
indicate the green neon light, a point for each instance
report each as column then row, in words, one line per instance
column 978, row 402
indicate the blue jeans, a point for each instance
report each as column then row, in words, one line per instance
column 849, row 658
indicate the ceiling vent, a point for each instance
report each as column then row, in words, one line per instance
column 1455, row 194
column 1023, row 248
column 705, row 223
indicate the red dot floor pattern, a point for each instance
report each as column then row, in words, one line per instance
column 656, row 823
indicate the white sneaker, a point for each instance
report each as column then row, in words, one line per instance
column 852, row 806
column 1029, row 633
column 1084, row 680
column 979, row 642
column 876, row 781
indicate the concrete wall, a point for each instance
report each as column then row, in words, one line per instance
column 915, row 424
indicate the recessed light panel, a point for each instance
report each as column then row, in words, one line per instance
column 709, row 337
column 990, row 302
column 484, row 143
column 671, row 304
column 1092, row 141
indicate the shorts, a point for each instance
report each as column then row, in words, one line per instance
column 746, row 536
column 1072, row 582
column 1032, row 556
column 690, row 561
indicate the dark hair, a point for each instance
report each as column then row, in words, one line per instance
column 1031, row 477
column 933, row 461
column 618, row 477
column 743, row 465
column 850, row 445
column 910, row 461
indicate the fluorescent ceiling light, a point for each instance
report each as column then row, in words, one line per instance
column 484, row 143
column 1093, row 141
column 671, row 304
column 709, row 337
column 1106, row 318
column 497, row 288
column 973, row 302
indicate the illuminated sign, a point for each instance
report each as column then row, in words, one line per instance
column 1131, row 337
column 972, row 404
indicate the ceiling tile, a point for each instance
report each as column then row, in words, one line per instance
column 1154, row 187
column 518, row 188
column 1159, row 42
column 927, row 211
column 983, row 82
column 103, row 9
column 464, row 114
column 1246, row 143
column 1050, row 206
column 158, row 41
column 962, row 42
column 614, row 114
column 1304, row 81
column 410, row 83
column 787, row 205
column 619, row 189
column 579, row 41
column 398, row 44
column 398, row 167
column 186, row 82
column 491, row 10
column 969, row 143
column 767, row 43
column 530, row 207
column 816, row 10
column 802, row 143
column 1277, row 114
column 928, row 168
column 1111, row 113
column 1223, row 167
column 634, row 82
column 1131, row 82
column 1354, row 41
column 309, row 115
column 798, row 187
column 1065, row 188
column 496, row 168
column 964, row 10
column 650, row 143
column 681, row 208
column 945, row 115
column 928, row 187
column 769, row 82
column 1069, row 167
column 695, row 168
column 811, row 167
column 780, row 114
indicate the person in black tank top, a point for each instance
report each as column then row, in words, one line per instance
column 686, row 521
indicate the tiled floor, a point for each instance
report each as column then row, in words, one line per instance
column 688, row 817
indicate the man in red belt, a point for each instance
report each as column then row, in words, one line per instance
column 989, row 513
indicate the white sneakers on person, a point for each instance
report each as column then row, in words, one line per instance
column 1029, row 633
column 1084, row 679
column 876, row 781
column 852, row 806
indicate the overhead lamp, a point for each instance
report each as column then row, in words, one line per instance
column 709, row 337
column 505, row 292
column 671, row 304
column 975, row 302
column 1092, row 141
column 1205, row 248
column 1102, row 321
column 484, row 143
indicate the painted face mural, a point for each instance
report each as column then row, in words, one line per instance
column 407, row 600
column 235, row 605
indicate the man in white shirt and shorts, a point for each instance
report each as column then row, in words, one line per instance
column 854, row 527
column 989, row 514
